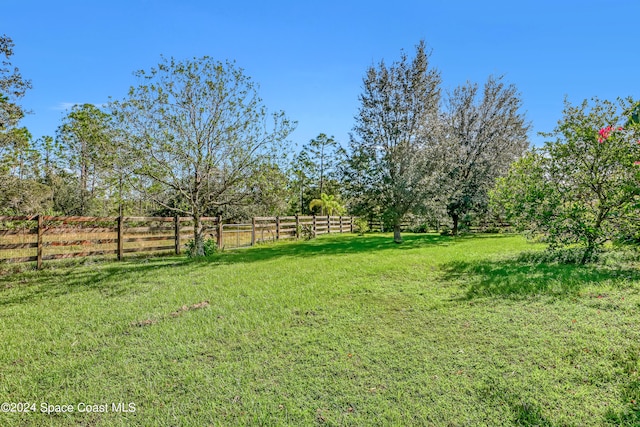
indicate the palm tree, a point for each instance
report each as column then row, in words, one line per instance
column 328, row 205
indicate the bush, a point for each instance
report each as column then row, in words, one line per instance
column 582, row 185
column 419, row 228
column 464, row 227
column 210, row 247
column 307, row 233
column 362, row 226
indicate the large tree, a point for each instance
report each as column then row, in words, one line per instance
column 324, row 154
column 582, row 187
column 86, row 142
column 315, row 170
column 20, row 191
column 393, row 157
column 12, row 88
column 300, row 171
column 484, row 131
column 197, row 128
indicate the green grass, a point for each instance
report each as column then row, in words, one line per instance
column 341, row 330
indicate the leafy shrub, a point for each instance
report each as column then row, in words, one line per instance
column 625, row 255
column 210, row 247
column 419, row 228
column 307, row 232
column 362, row 226
column 535, row 193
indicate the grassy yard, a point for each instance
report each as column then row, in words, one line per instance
column 342, row 330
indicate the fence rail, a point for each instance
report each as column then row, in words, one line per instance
column 41, row 238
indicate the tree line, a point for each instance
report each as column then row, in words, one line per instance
column 193, row 138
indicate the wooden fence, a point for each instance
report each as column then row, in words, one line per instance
column 42, row 238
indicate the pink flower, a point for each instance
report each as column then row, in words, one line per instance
column 604, row 133
column 637, row 163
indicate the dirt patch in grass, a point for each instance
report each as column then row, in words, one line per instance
column 179, row 312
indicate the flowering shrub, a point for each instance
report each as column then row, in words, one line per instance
column 581, row 187
column 605, row 132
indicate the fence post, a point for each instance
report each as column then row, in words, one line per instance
column 340, row 224
column 350, row 224
column 176, row 223
column 253, row 231
column 328, row 224
column 40, row 231
column 120, row 239
column 297, row 227
column 277, row 228
column 314, row 224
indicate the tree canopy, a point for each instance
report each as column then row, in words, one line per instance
column 87, row 145
column 483, row 132
column 193, row 138
column 583, row 186
column 394, row 160
column 198, row 128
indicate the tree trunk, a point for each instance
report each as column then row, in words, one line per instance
column 397, row 238
column 593, row 237
column 588, row 253
column 455, row 219
column 198, row 241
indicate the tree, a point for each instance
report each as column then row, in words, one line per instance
column 86, row 142
column 483, row 138
column 315, row 170
column 300, row 170
column 393, row 159
column 269, row 195
column 24, row 196
column 197, row 128
column 323, row 155
column 328, row 205
column 12, row 88
column 581, row 187
column 20, row 192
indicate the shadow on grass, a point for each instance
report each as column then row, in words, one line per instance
column 110, row 278
column 630, row 415
column 113, row 278
column 627, row 361
column 334, row 245
column 525, row 413
column 515, row 279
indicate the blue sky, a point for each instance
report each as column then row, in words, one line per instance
column 309, row 58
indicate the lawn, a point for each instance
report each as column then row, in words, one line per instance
column 341, row 330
